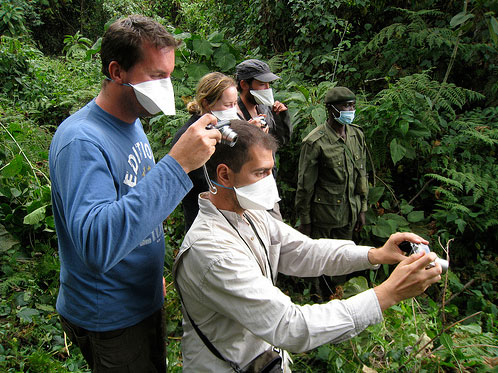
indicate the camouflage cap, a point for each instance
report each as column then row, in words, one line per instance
column 339, row 94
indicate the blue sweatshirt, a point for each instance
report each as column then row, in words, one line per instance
column 109, row 200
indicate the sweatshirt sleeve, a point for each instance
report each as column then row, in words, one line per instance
column 104, row 227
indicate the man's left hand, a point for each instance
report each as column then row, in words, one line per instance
column 360, row 222
column 390, row 253
column 279, row 107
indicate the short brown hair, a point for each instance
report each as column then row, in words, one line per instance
column 123, row 41
column 235, row 157
column 210, row 87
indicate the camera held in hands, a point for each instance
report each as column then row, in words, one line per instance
column 414, row 248
column 228, row 135
column 262, row 120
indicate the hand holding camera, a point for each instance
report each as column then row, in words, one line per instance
column 198, row 138
column 415, row 248
column 228, row 136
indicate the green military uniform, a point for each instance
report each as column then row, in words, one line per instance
column 332, row 183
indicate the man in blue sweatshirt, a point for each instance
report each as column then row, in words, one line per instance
column 110, row 199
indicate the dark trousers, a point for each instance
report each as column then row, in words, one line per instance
column 138, row 348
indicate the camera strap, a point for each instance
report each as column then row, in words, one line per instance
column 202, row 336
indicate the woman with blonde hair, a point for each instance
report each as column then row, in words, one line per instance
column 216, row 93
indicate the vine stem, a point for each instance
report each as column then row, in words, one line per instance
column 339, row 50
column 389, row 188
column 447, row 251
column 34, row 169
column 452, row 58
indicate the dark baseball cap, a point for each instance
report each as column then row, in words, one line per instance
column 254, row 69
column 339, row 94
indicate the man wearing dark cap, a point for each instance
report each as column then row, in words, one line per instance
column 331, row 196
column 256, row 102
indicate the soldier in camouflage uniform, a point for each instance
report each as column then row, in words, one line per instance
column 331, row 197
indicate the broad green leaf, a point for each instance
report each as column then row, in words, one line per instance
column 355, row 286
column 446, row 341
column 14, row 167
column 461, row 224
column 339, row 363
column 405, row 207
column 382, row 228
column 460, row 18
column 319, row 115
column 404, row 127
column 374, row 194
column 323, row 353
column 415, row 216
column 494, row 24
column 203, row 47
column 6, row 239
column 45, row 307
column 398, row 219
column 397, row 151
column 197, row 70
column 224, row 59
column 26, row 314
column 471, row 328
column 216, row 37
column 5, row 310
column 36, row 216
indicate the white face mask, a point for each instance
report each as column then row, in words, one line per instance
column 263, row 96
column 261, row 195
column 227, row 114
column 155, row 96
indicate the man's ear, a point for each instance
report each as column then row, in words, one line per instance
column 224, row 175
column 116, row 72
column 244, row 85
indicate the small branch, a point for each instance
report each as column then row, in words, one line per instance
column 339, row 50
column 447, row 251
column 390, row 190
column 25, row 156
column 354, row 353
column 421, row 190
column 439, row 334
column 461, row 291
column 371, row 163
column 452, row 59
column 66, row 345
column 467, row 346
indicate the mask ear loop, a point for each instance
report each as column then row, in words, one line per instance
column 212, row 188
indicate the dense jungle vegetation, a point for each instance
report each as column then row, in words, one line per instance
column 426, row 76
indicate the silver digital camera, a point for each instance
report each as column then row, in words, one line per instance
column 228, row 135
column 414, row 248
column 262, row 120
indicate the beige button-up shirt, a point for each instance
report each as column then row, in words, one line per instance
column 224, row 274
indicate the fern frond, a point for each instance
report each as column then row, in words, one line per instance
column 446, row 180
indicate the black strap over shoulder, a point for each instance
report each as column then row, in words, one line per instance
column 243, row 108
column 201, row 335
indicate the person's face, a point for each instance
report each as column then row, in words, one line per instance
column 228, row 100
column 346, row 106
column 258, row 85
column 260, row 165
column 155, row 64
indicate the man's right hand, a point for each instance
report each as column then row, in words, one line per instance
column 197, row 144
column 409, row 279
column 305, row 229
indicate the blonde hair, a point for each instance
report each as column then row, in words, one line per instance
column 210, row 88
